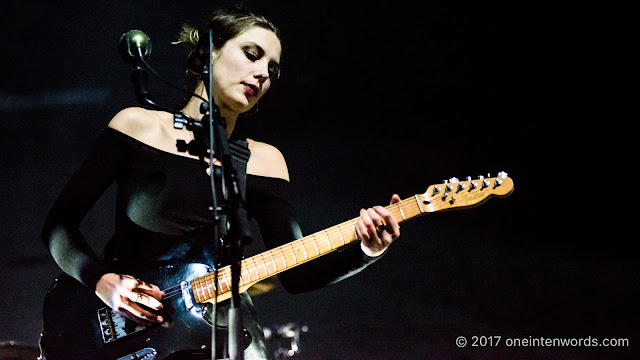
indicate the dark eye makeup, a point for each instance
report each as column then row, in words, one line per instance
column 254, row 52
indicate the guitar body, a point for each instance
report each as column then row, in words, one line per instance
column 78, row 325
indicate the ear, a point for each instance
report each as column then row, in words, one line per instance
column 195, row 62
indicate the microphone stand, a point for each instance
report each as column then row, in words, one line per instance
column 140, row 80
column 239, row 234
column 233, row 204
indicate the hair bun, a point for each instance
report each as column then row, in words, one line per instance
column 189, row 36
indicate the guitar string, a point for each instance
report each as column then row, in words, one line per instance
column 408, row 205
column 287, row 250
column 411, row 206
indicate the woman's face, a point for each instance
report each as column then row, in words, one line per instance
column 243, row 69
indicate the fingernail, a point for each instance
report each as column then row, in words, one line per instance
column 159, row 319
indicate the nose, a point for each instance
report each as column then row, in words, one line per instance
column 261, row 72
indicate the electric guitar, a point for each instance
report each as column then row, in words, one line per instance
column 78, row 325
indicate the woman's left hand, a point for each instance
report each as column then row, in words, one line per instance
column 377, row 229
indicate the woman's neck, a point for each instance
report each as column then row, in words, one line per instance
column 192, row 109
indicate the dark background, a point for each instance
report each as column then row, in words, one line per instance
column 375, row 98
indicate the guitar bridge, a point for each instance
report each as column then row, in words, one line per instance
column 114, row 326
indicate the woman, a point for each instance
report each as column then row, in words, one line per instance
column 164, row 193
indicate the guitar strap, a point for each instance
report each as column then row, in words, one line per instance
column 240, row 154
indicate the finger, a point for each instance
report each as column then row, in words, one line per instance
column 395, row 198
column 152, row 290
column 376, row 219
column 127, row 314
column 139, row 312
column 134, row 284
column 391, row 224
column 371, row 221
column 361, row 229
column 146, row 300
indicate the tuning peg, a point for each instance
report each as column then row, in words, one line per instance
column 468, row 178
column 454, row 180
column 502, row 174
column 480, row 177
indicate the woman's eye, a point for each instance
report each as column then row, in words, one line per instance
column 251, row 55
column 273, row 71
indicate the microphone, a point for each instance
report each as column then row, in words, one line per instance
column 134, row 46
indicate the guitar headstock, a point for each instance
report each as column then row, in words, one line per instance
column 454, row 193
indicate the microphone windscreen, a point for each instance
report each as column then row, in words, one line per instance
column 132, row 45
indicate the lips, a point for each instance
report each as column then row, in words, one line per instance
column 250, row 89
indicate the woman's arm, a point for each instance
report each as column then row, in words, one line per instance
column 68, row 246
column 268, row 203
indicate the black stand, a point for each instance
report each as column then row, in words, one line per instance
column 239, row 234
column 233, row 203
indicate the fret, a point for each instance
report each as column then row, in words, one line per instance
column 273, row 261
column 242, row 271
column 355, row 233
column 196, row 290
column 315, row 244
column 304, row 248
column 340, row 232
column 201, row 292
column 418, row 202
column 264, row 265
column 224, row 277
column 208, row 287
column 293, row 252
column 283, row 260
column 256, row 268
column 203, row 295
column 401, row 212
column 328, row 240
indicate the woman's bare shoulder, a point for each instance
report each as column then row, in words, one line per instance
column 266, row 160
column 137, row 122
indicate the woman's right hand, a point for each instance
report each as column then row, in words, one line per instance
column 125, row 294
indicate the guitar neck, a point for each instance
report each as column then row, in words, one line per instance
column 285, row 257
column 453, row 195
